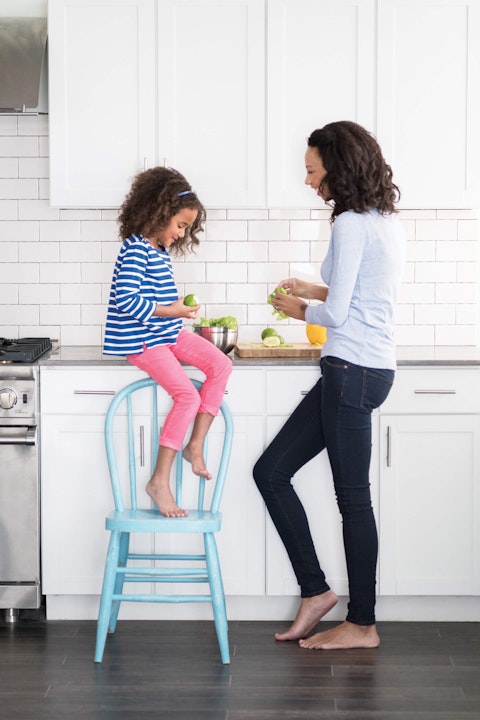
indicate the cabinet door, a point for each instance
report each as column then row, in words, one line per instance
column 320, row 69
column 211, row 97
column 429, row 99
column 429, row 505
column 102, row 98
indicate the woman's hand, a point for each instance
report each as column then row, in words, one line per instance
column 304, row 289
column 292, row 306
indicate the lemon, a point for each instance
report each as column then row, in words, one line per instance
column 269, row 332
column 272, row 341
column 191, row 300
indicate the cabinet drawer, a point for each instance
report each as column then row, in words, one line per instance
column 244, row 394
column 285, row 388
column 434, row 390
column 81, row 391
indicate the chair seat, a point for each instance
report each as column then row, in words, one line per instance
column 151, row 520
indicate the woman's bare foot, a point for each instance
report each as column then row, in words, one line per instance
column 196, row 459
column 344, row 636
column 162, row 496
column 311, row 610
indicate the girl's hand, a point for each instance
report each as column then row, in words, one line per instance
column 177, row 309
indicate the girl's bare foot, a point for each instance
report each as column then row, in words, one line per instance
column 198, row 463
column 311, row 610
column 344, row 636
column 162, row 496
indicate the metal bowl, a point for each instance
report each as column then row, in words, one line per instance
column 222, row 337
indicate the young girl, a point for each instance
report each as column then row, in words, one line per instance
column 361, row 272
column 145, row 319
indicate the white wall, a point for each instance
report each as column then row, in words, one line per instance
column 56, row 264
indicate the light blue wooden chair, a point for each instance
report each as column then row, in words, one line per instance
column 205, row 519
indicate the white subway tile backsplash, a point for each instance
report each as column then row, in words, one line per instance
column 60, row 314
column 58, row 263
column 80, row 252
column 9, row 167
column 288, row 251
column 18, row 188
column 45, row 294
column 224, row 230
column 18, row 146
column 436, row 230
column 9, row 295
column 268, row 231
column 33, row 167
column 460, row 250
column 39, row 252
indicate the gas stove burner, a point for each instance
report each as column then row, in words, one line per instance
column 23, row 350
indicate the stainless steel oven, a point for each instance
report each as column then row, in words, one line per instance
column 20, row 571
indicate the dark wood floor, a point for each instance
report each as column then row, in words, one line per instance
column 422, row 671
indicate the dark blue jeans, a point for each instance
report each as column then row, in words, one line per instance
column 336, row 415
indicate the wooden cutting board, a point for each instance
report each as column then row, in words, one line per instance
column 293, row 350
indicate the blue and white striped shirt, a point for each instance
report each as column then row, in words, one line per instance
column 142, row 279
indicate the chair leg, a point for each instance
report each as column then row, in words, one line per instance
column 218, row 596
column 119, row 580
column 107, row 592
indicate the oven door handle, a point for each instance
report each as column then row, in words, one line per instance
column 18, row 436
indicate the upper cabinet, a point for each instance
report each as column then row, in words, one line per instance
column 320, row 68
column 428, row 102
column 102, row 98
column 136, row 83
column 228, row 91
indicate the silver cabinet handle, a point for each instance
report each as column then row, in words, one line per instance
column 304, row 392
column 94, row 392
column 142, row 446
column 435, row 392
column 389, row 446
column 19, row 436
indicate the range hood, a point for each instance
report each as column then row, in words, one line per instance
column 22, row 54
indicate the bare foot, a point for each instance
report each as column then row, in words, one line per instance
column 344, row 636
column 162, row 496
column 311, row 610
column 197, row 462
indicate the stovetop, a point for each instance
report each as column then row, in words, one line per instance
column 23, row 350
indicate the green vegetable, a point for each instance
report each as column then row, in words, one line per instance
column 278, row 314
column 228, row 321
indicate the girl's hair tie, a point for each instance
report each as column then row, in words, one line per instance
column 184, row 192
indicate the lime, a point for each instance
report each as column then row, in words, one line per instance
column 191, row 300
column 272, row 341
column 269, row 332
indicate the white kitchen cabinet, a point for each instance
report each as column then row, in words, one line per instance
column 321, row 57
column 101, row 98
column 76, row 494
column 211, row 97
column 428, row 99
column 137, row 83
column 314, row 486
column 430, row 483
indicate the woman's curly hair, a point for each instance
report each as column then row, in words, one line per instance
column 358, row 177
column 155, row 197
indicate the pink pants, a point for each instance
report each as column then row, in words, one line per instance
column 163, row 364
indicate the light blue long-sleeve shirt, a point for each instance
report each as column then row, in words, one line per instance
column 363, row 270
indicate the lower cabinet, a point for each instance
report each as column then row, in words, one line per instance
column 76, row 494
column 430, row 505
column 425, row 481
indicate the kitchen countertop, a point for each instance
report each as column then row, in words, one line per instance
column 406, row 355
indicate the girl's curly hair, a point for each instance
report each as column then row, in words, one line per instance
column 155, row 197
column 358, row 177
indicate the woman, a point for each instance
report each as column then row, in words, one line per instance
column 362, row 272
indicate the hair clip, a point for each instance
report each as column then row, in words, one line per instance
column 184, row 192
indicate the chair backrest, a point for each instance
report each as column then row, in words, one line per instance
column 136, row 407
